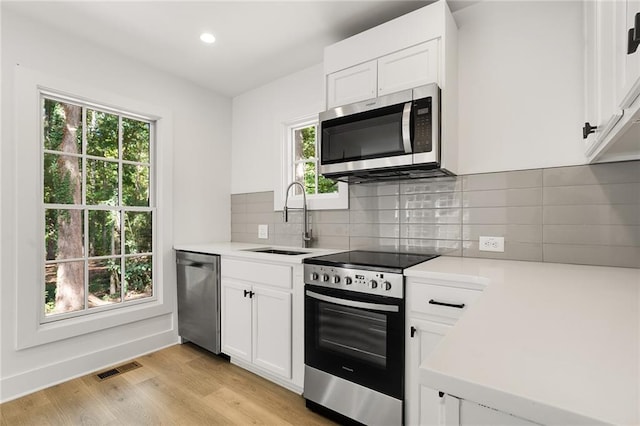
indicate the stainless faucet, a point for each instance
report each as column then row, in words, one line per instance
column 306, row 235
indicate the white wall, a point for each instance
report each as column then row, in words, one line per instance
column 520, row 85
column 258, row 117
column 520, row 95
column 195, row 175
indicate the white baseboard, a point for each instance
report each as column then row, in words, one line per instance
column 22, row 384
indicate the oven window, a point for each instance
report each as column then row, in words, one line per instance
column 354, row 333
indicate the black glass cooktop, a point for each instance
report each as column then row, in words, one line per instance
column 372, row 260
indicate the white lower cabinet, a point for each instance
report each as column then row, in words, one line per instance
column 257, row 319
column 432, row 309
column 272, row 330
column 423, row 405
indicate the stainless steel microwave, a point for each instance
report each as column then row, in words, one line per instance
column 392, row 136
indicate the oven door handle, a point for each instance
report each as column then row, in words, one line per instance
column 353, row 303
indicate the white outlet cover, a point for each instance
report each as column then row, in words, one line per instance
column 491, row 244
column 263, row 231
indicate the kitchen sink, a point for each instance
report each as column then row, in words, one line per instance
column 277, row 251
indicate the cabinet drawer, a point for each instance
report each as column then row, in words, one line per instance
column 434, row 299
column 257, row 272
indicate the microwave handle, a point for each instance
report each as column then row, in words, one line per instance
column 406, row 127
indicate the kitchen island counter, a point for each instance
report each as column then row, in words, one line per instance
column 552, row 343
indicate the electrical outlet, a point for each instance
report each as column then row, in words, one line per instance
column 263, row 232
column 491, row 244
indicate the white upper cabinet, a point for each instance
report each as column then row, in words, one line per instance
column 408, row 68
column 628, row 18
column 353, row 84
column 602, row 112
column 612, row 76
column 410, row 51
column 405, row 69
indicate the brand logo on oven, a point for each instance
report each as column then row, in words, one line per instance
column 350, row 370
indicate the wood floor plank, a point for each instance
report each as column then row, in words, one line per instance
column 179, row 385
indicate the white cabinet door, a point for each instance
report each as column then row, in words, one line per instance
column 424, row 406
column 408, row 68
column 629, row 76
column 602, row 109
column 272, row 330
column 236, row 319
column 350, row 85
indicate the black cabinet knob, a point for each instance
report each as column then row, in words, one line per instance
column 587, row 129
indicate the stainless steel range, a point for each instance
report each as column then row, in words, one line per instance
column 354, row 334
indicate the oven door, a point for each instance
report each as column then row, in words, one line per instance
column 357, row 337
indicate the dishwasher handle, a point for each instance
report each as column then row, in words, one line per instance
column 197, row 260
column 196, row 264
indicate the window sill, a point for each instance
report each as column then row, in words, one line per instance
column 73, row 327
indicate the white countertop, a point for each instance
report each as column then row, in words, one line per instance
column 553, row 343
column 239, row 250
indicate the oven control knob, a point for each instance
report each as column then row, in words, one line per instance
column 335, row 279
column 347, row 280
column 373, row 284
column 325, row 277
column 313, row 276
column 386, row 285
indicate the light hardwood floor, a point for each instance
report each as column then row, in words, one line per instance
column 180, row 385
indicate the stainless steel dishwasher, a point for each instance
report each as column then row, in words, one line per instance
column 199, row 299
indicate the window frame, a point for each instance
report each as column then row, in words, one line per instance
column 25, row 235
column 56, row 96
column 318, row 201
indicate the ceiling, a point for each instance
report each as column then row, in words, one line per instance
column 257, row 41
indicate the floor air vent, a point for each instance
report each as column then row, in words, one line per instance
column 118, row 370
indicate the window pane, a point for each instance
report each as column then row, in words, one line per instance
column 62, row 179
column 138, row 275
column 64, row 287
column 104, row 232
column 135, row 185
column 102, row 134
column 104, row 282
column 298, row 176
column 326, row 186
column 63, row 238
column 135, row 140
column 102, row 182
column 304, row 143
column 138, row 232
column 310, row 177
column 62, row 124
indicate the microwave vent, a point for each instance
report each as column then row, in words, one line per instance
column 385, row 175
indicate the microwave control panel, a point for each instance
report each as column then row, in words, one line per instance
column 422, row 125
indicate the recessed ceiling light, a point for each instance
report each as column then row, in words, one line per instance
column 207, row 38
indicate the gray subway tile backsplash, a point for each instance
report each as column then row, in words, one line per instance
column 579, row 214
column 502, row 180
column 595, row 174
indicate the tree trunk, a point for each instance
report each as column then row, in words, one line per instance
column 70, row 275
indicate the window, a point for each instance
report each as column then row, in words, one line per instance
column 305, row 161
column 301, row 164
column 98, row 207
